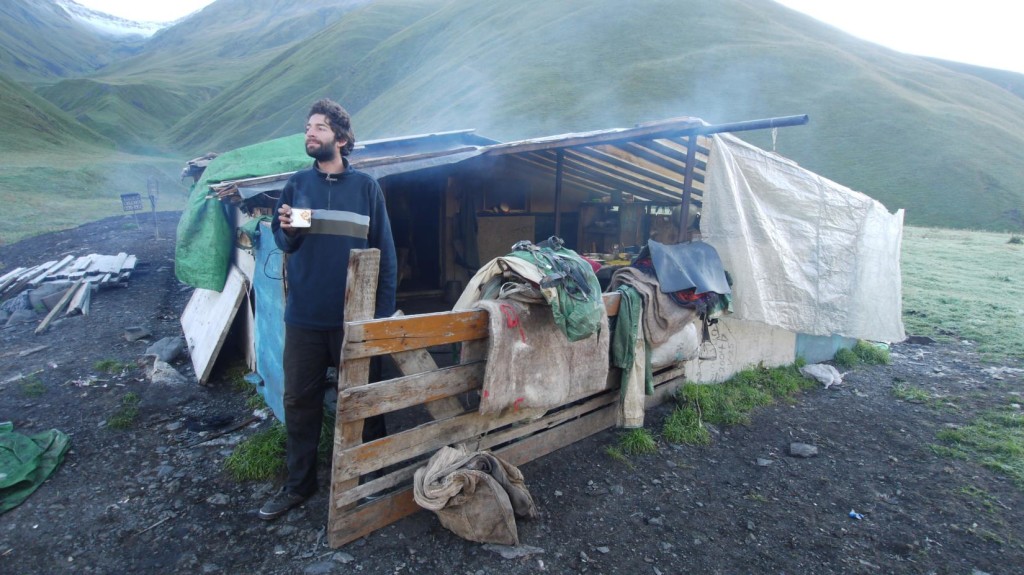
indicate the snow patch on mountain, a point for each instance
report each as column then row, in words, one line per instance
column 108, row 24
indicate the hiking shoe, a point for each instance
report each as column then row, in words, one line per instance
column 280, row 504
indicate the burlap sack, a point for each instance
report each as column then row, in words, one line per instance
column 475, row 495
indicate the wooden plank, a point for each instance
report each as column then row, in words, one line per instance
column 393, row 335
column 418, row 361
column 360, row 294
column 57, row 308
column 10, row 277
column 347, row 498
column 427, row 387
column 347, row 527
column 668, row 129
column 45, row 271
column 207, row 319
column 353, row 461
column 78, row 268
column 117, row 263
column 129, row 264
column 30, row 275
column 11, row 274
column 81, row 300
column 398, row 334
column 32, row 350
column 98, row 265
column 664, row 392
column 673, row 372
column 60, row 270
column 539, row 445
column 549, row 421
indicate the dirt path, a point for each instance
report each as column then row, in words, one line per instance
column 151, row 499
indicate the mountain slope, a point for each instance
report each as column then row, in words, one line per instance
column 40, row 41
column 273, row 101
column 947, row 146
column 33, row 125
column 136, row 116
column 229, row 38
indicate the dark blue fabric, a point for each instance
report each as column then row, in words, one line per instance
column 691, row 265
column 318, row 263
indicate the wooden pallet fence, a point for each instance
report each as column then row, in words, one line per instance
column 351, row 515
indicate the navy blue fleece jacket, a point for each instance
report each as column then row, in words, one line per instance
column 348, row 213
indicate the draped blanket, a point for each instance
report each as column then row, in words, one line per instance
column 531, row 365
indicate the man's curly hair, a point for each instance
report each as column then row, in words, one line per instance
column 339, row 120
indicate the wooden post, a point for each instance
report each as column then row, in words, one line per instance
column 419, row 361
column 360, row 301
column 684, row 213
column 559, row 167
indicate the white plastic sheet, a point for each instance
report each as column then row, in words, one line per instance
column 805, row 253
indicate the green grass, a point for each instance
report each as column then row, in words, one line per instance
column 262, row 456
column 126, row 414
column 637, row 442
column 32, row 387
column 684, row 426
column 730, row 402
column 617, row 454
column 986, row 309
column 995, row 440
column 256, row 401
column 111, row 366
column 981, row 496
column 236, row 377
column 910, row 393
column 863, row 352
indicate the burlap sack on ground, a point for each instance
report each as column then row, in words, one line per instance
column 475, row 495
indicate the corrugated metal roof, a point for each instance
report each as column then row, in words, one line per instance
column 652, row 161
column 658, row 161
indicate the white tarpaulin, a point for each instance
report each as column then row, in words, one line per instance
column 805, row 253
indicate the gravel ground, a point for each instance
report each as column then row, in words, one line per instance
column 154, row 498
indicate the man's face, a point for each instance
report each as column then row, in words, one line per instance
column 321, row 144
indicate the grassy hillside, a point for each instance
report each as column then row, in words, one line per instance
column 34, row 126
column 946, row 146
column 58, row 173
column 39, row 43
column 1010, row 81
column 226, row 40
column 945, row 142
column 274, row 100
column 39, row 199
column 136, row 116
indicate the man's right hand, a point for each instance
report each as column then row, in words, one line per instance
column 284, row 217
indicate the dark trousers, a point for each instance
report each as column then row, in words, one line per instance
column 307, row 356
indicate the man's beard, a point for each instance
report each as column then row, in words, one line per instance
column 322, row 152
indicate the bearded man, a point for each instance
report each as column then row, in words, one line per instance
column 324, row 212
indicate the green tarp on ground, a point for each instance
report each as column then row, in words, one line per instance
column 26, row 462
column 205, row 235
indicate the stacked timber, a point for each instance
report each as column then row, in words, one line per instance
column 94, row 269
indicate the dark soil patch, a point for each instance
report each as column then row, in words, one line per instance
column 152, row 499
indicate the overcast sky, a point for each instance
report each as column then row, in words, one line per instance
column 982, row 32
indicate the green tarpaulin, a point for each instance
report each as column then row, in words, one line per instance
column 26, row 462
column 205, row 235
